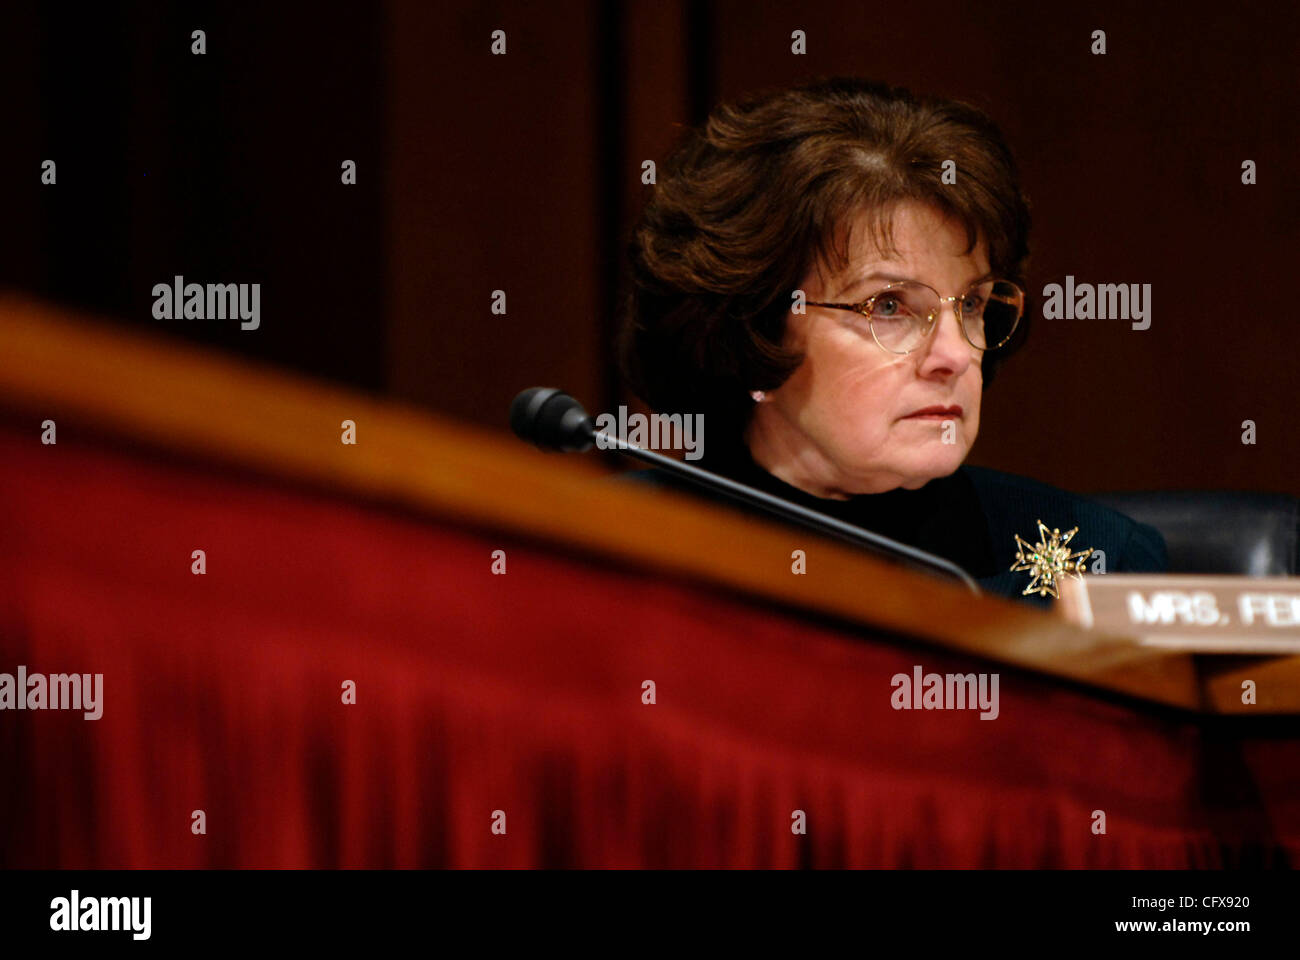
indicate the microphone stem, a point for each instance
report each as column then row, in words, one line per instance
column 784, row 508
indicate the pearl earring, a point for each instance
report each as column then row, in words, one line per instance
column 758, row 395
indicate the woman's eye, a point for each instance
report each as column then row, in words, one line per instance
column 887, row 307
column 972, row 304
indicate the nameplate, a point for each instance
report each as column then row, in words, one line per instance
column 1202, row 614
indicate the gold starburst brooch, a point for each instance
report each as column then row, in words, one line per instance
column 1049, row 560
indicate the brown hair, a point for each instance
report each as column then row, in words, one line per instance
column 750, row 201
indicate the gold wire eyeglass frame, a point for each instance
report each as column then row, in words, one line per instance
column 865, row 308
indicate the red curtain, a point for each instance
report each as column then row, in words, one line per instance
column 522, row 693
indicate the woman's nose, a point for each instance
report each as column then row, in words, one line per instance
column 948, row 346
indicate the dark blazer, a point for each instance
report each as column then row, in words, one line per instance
column 970, row 517
column 1014, row 505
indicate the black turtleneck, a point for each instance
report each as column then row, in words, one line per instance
column 944, row 517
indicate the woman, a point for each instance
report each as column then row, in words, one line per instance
column 831, row 274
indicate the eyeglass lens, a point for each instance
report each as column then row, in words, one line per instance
column 901, row 316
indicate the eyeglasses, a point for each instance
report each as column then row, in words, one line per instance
column 903, row 314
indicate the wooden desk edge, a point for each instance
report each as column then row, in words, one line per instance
column 176, row 397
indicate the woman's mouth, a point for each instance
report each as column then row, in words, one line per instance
column 935, row 413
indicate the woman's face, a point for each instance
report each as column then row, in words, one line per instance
column 844, row 423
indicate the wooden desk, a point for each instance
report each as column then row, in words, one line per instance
column 371, row 563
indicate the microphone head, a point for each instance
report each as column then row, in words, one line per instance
column 551, row 419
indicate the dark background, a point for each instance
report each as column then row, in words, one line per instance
column 522, row 172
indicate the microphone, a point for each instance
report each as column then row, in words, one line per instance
column 550, row 419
